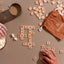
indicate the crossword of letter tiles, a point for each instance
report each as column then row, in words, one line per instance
column 22, row 35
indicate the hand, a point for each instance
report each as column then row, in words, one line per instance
column 49, row 57
column 3, row 30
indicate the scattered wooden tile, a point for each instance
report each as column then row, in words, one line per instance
column 58, row 2
column 43, row 11
column 48, row 1
column 39, row 7
column 39, row 11
column 63, row 11
column 1, row 2
column 34, row 58
column 41, row 4
column 25, row 44
column 35, row 12
column 59, row 10
column 57, row 6
column 43, row 8
column 61, row 5
column 43, row 17
column 53, row 49
column 2, row 10
column 40, row 1
column 30, row 8
column 61, row 51
column 36, row 2
column 42, row 46
column 39, row 17
column 48, row 43
column 25, row 35
column 46, row 15
column 40, row 23
column 32, row 13
column 53, row 2
column 34, row 8
column 48, row 48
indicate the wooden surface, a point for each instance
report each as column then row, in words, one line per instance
column 14, row 52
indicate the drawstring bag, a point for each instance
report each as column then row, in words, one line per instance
column 55, row 24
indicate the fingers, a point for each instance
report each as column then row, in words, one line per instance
column 48, row 60
column 43, row 61
column 53, row 52
column 3, row 30
column 2, row 34
column 48, row 53
column 3, row 27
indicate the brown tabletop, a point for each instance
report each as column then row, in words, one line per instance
column 14, row 52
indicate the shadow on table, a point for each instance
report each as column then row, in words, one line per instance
column 39, row 61
column 6, row 17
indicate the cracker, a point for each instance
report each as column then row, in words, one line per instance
column 45, row 1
